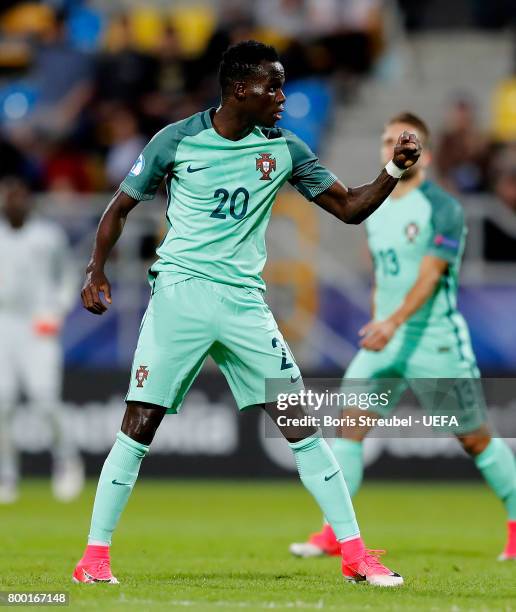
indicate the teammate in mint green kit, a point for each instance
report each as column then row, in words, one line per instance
column 417, row 241
column 222, row 169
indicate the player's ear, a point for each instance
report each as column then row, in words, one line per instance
column 426, row 158
column 239, row 90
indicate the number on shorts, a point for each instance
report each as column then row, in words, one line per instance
column 285, row 365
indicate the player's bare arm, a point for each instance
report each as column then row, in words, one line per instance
column 355, row 204
column 377, row 334
column 108, row 232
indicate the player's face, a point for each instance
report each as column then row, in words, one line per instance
column 264, row 95
column 390, row 138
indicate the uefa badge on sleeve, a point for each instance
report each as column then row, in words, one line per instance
column 412, row 231
column 138, row 166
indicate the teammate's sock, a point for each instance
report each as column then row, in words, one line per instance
column 510, row 547
column 116, row 482
column 320, row 473
column 498, row 466
column 350, row 458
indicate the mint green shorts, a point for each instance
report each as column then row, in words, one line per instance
column 188, row 319
column 428, row 366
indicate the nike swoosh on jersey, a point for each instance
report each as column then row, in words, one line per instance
column 326, row 478
column 123, row 484
column 190, row 169
column 293, row 380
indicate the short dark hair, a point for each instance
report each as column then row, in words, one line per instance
column 243, row 60
column 416, row 122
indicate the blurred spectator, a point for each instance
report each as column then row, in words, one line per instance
column 338, row 33
column 38, row 289
column 125, row 74
column 349, row 29
column 62, row 77
column 461, row 150
column 170, row 100
column 289, row 17
column 147, row 76
column 235, row 24
column 65, row 171
column 171, row 64
column 288, row 20
column 127, row 144
column 500, row 228
column 505, row 182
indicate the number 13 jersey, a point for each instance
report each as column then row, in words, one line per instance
column 426, row 221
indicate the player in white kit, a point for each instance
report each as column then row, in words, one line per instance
column 37, row 289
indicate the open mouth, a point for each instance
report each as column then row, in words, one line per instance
column 277, row 116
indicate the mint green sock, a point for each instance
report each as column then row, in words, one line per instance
column 116, row 482
column 498, row 466
column 321, row 475
column 350, row 458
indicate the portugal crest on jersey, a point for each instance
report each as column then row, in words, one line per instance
column 142, row 373
column 266, row 164
column 411, row 231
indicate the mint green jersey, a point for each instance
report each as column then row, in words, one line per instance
column 426, row 221
column 220, row 195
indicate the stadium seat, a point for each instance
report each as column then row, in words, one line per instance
column 85, row 27
column 27, row 18
column 15, row 55
column 147, row 27
column 307, row 110
column 194, row 26
column 504, row 111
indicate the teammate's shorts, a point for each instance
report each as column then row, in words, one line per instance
column 190, row 318
column 429, row 365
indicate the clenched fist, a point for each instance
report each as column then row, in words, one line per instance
column 407, row 150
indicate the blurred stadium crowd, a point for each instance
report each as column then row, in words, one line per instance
column 83, row 85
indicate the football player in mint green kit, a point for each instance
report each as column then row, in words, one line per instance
column 222, row 169
column 417, row 241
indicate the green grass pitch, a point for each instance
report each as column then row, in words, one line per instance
column 221, row 545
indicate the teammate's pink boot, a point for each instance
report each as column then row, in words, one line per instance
column 359, row 564
column 509, row 552
column 321, row 543
column 94, row 566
